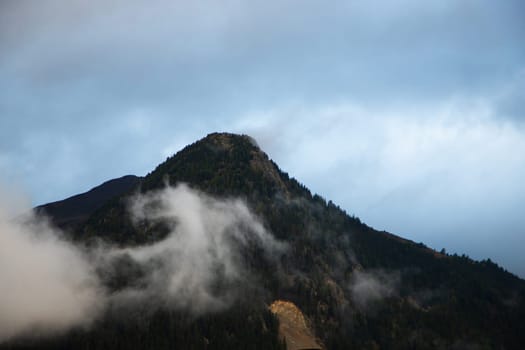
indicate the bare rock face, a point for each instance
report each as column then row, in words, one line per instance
column 293, row 327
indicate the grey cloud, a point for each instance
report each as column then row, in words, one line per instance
column 78, row 62
column 510, row 99
column 151, row 54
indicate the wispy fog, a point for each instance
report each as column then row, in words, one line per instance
column 49, row 285
column 198, row 266
column 367, row 288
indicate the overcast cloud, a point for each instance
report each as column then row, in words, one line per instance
column 407, row 114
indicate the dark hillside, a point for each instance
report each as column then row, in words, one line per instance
column 74, row 211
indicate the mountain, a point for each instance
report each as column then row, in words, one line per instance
column 74, row 211
column 350, row 286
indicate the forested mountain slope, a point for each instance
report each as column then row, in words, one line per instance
column 357, row 287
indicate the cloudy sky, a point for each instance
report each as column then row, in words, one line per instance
column 407, row 114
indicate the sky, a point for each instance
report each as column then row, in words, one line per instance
column 407, row 114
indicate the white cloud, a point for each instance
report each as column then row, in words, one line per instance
column 47, row 285
column 199, row 266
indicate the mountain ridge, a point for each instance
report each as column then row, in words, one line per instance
column 74, row 210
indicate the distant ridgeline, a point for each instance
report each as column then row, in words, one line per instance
column 357, row 288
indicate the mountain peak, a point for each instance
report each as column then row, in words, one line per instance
column 221, row 163
column 226, row 140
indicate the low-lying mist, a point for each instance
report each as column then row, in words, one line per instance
column 373, row 286
column 49, row 285
column 46, row 284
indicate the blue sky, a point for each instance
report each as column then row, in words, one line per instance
column 407, row 114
